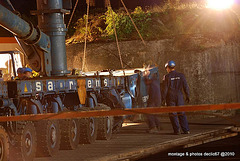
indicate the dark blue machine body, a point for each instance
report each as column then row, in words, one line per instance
column 119, row 89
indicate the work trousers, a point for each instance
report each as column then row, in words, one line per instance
column 153, row 121
column 179, row 118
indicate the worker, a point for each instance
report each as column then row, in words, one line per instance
column 27, row 73
column 19, row 73
column 154, row 100
column 1, row 75
column 173, row 84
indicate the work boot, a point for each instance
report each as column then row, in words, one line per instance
column 177, row 133
column 153, row 131
column 160, row 128
column 186, row 132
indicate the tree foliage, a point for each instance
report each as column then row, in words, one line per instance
column 169, row 20
column 124, row 26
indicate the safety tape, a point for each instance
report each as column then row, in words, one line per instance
column 119, row 112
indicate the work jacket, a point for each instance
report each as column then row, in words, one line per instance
column 154, row 92
column 173, row 85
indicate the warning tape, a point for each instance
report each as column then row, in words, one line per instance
column 119, row 112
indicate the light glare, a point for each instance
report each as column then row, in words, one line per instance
column 219, row 4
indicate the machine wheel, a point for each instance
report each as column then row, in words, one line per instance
column 48, row 136
column 25, row 142
column 88, row 130
column 70, row 133
column 4, row 145
column 105, row 125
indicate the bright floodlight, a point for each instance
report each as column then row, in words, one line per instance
column 219, row 4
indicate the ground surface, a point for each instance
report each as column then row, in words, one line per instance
column 133, row 140
column 230, row 147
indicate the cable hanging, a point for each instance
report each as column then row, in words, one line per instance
column 114, row 26
column 144, row 57
column 115, row 32
column 72, row 13
column 133, row 22
column 85, row 38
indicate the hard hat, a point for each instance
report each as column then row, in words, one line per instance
column 27, row 69
column 170, row 64
column 20, row 70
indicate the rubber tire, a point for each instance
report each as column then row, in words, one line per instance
column 70, row 133
column 45, row 146
column 88, row 130
column 105, row 128
column 105, row 124
column 4, row 144
column 19, row 151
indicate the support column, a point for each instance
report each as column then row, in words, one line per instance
column 51, row 21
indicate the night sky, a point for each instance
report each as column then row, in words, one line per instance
column 25, row 6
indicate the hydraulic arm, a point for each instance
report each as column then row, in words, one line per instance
column 46, row 52
column 31, row 36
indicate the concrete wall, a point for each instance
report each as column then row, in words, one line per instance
column 212, row 67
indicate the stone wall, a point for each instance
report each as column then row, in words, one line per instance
column 212, row 67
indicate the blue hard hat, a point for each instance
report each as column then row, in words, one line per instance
column 27, row 69
column 170, row 64
column 20, row 70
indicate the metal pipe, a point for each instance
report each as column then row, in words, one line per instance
column 5, row 102
column 24, row 30
column 8, row 103
column 51, row 21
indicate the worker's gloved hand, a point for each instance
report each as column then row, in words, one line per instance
column 187, row 100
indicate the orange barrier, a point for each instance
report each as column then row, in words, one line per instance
column 119, row 112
